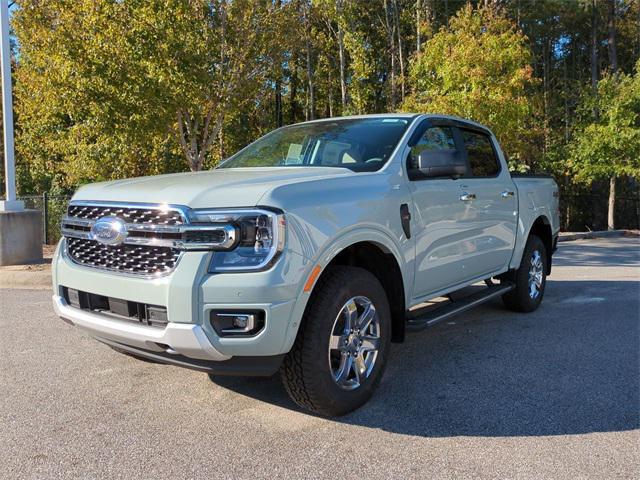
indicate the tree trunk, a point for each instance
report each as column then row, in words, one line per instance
column 196, row 139
column 611, row 41
column 424, row 15
column 310, row 86
column 293, row 86
column 330, row 93
column 343, row 75
column 392, row 57
column 400, row 55
column 223, row 153
column 311, row 95
column 612, row 204
column 278, row 83
column 278, row 103
column 594, row 48
column 613, row 59
column 545, row 91
column 418, row 29
column 339, row 34
column 566, row 101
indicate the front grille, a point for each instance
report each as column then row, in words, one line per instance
column 156, row 216
column 147, row 239
column 134, row 259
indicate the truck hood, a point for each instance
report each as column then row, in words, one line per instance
column 220, row 188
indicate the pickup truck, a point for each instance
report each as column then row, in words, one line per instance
column 307, row 252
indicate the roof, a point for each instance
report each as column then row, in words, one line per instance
column 409, row 116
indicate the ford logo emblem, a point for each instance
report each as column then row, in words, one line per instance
column 109, row 231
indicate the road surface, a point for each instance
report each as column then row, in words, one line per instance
column 553, row 394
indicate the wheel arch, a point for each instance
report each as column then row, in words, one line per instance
column 383, row 264
column 541, row 227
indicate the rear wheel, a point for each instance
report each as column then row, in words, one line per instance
column 530, row 278
column 341, row 350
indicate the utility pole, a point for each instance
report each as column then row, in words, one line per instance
column 10, row 203
column 20, row 229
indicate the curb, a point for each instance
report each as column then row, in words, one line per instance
column 25, row 279
column 568, row 237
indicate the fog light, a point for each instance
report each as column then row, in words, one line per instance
column 243, row 321
column 229, row 323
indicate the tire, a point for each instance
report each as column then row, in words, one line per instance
column 319, row 373
column 530, row 278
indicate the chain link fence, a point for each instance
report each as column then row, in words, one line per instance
column 588, row 212
column 53, row 208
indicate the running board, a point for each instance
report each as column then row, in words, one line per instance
column 439, row 314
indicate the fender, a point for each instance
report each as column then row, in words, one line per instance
column 362, row 233
column 523, row 235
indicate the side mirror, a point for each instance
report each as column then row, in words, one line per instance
column 440, row 163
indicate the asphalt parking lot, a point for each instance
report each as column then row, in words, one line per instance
column 553, row 394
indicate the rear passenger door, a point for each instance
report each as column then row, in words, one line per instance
column 491, row 201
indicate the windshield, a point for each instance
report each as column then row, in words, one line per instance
column 361, row 145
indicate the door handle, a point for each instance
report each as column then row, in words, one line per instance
column 507, row 194
column 467, row 197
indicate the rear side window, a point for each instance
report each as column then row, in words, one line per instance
column 482, row 157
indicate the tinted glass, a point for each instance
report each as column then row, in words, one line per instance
column 482, row 158
column 356, row 144
column 434, row 138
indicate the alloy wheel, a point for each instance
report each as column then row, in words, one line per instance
column 354, row 343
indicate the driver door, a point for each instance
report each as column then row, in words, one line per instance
column 443, row 222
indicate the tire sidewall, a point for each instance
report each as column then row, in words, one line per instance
column 319, row 322
column 530, row 304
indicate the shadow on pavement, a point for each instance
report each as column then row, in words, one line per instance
column 569, row 368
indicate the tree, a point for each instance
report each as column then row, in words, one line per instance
column 109, row 89
column 479, row 68
column 113, row 89
column 333, row 14
column 91, row 102
column 237, row 37
column 609, row 146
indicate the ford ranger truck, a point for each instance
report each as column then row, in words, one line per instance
column 307, row 252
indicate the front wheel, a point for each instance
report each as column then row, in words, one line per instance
column 530, row 278
column 341, row 350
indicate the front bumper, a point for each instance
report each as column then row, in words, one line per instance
column 184, row 339
column 189, row 294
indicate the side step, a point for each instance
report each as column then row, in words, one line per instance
column 419, row 321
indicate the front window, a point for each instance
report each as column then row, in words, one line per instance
column 361, row 145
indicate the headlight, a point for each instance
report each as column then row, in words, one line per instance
column 261, row 235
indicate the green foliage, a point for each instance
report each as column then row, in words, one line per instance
column 609, row 146
column 113, row 89
column 479, row 68
column 108, row 89
column 91, row 101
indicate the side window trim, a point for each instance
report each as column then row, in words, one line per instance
column 457, row 136
column 418, row 132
